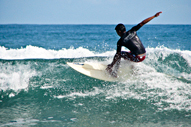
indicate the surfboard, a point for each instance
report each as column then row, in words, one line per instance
column 98, row 71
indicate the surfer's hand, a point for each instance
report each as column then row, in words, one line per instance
column 157, row 14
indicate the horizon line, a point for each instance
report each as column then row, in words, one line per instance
column 83, row 24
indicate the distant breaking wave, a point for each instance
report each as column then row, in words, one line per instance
column 34, row 52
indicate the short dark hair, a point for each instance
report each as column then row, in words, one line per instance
column 120, row 27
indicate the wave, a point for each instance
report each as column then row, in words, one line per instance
column 163, row 79
column 175, row 63
column 161, row 58
column 34, row 52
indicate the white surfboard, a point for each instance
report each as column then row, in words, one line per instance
column 97, row 70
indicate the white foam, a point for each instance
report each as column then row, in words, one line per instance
column 33, row 52
column 155, row 87
column 155, row 53
column 73, row 95
column 22, row 122
column 15, row 77
column 162, row 90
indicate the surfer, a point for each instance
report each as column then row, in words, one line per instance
column 131, row 41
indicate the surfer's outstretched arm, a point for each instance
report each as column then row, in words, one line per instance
column 150, row 18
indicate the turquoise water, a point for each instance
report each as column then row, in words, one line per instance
column 38, row 88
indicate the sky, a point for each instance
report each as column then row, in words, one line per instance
column 94, row 11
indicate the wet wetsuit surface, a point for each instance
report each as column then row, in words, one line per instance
column 131, row 41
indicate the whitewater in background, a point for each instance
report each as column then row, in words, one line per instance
column 38, row 88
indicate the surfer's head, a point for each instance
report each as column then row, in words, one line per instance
column 120, row 29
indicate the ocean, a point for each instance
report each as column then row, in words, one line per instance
column 38, row 88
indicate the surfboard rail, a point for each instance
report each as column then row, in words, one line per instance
column 94, row 70
column 97, row 70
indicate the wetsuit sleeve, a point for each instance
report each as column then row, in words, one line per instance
column 135, row 28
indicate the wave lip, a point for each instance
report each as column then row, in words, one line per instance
column 34, row 52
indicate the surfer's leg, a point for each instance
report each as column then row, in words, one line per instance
column 115, row 69
column 126, row 55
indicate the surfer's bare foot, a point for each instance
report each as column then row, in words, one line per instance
column 114, row 74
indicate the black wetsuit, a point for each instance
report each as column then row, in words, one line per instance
column 131, row 41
